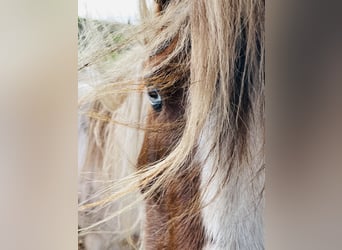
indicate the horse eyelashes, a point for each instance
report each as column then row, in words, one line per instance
column 155, row 99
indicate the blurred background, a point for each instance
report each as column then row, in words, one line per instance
column 110, row 10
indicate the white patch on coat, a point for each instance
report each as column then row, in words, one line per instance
column 232, row 213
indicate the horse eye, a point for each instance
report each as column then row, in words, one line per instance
column 155, row 99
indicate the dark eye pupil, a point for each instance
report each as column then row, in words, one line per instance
column 153, row 94
column 155, row 99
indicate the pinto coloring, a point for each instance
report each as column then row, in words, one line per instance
column 175, row 130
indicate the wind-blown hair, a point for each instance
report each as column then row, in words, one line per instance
column 206, row 58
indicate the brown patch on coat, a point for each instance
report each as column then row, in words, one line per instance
column 173, row 220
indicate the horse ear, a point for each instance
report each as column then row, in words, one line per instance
column 162, row 4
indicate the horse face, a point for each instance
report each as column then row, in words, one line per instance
column 171, row 222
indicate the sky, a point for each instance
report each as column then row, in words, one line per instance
column 119, row 10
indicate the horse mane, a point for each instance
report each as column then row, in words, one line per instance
column 219, row 47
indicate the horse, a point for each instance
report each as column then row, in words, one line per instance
column 173, row 129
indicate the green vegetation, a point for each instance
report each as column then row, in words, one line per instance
column 108, row 32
